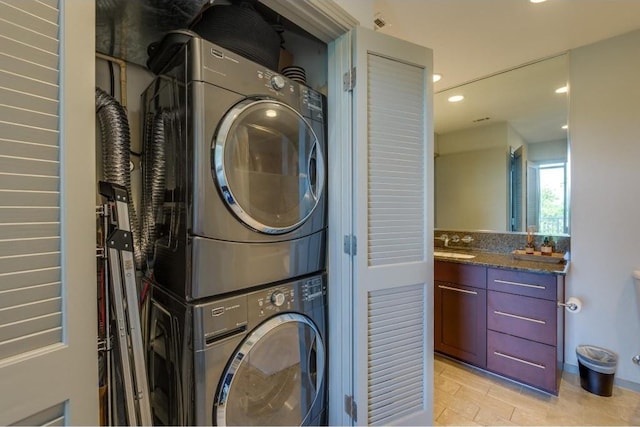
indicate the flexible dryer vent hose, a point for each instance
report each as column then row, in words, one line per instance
column 114, row 131
column 154, row 177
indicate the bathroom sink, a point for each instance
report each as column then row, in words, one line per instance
column 452, row 255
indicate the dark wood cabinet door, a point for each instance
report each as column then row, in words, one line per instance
column 461, row 322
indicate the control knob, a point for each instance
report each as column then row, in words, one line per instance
column 277, row 82
column 277, row 298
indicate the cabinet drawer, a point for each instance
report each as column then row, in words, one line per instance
column 522, row 283
column 526, row 317
column 461, row 274
column 530, row 362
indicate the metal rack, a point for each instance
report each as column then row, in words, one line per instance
column 126, row 375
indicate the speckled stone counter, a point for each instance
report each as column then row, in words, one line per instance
column 493, row 249
column 500, row 260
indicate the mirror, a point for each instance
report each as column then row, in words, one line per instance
column 501, row 154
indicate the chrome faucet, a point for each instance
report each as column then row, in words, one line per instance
column 467, row 239
column 445, row 239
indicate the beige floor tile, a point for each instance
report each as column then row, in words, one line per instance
column 523, row 417
column 467, row 377
column 464, row 396
column 451, row 418
column 487, row 417
column 445, row 384
column 464, row 407
column 438, row 408
column 499, row 408
column 439, row 365
column 520, row 398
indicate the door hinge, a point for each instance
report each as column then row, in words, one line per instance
column 351, row 408
column 349, row 80
column 350, row 245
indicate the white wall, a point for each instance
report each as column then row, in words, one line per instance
column 604, row 123
column 362, row 10
column 469, row 194
column 475, row 138
column 471, row 178
column 548, row 150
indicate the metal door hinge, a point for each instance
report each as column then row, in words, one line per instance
column 351, row 408
column 350, row 245
column 349, row 80
column 100, row 252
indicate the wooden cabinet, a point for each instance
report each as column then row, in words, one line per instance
column 505, row 321
column 525, row 327
column 460, row 301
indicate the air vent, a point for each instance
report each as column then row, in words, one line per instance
column 483, row 119
column 379, row 22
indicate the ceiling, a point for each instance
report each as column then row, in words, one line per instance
column 524, row 97
column 474, row 39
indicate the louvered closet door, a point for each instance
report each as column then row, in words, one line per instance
column 393, row 222
column 48, row 367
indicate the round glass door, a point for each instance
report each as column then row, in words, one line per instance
column 275, row 376
column 269, row 165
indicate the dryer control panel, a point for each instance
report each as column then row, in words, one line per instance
column 218, row 66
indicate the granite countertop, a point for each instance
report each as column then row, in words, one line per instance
column 502, row 260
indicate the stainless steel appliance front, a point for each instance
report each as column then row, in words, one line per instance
column 245, row 196
column 254, row 359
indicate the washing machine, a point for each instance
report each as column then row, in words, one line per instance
column 245, row 196
column 258, row 358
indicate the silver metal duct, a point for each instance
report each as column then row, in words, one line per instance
column 154, row 177
column 114, row 129
column 116, row 143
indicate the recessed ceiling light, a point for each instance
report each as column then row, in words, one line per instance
column 537, row 1
column 456, row 98
column 565, row 127
column 437, row 77
column 563, row 89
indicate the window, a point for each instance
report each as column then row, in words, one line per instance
column 552, row 190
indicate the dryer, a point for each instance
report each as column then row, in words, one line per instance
column 258, row 358
column 245, row 196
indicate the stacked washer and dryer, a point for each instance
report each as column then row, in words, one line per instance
column 237, row 319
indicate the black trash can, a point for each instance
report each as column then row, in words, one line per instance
column 597, row 368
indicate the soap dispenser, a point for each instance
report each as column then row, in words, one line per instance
column 529, row 247
column 546, row 248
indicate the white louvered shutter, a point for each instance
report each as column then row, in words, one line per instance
column 48, row 369
column 393, row 223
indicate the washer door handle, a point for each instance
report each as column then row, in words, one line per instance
column 315, row 167
column 315, row 363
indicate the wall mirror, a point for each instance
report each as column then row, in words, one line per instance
column 501, row 153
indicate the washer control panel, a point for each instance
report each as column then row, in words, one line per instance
column 296, row 296
column 277, row 82
column 274, row 300
column 278, row 298
column 313, row 288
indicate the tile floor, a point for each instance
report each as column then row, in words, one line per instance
column 466, row 396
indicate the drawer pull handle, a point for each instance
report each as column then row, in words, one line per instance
column 464, row 291
column 526, row 362
column 515, row 316
column 525, row 285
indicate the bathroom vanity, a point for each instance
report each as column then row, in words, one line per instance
column 502, row 315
